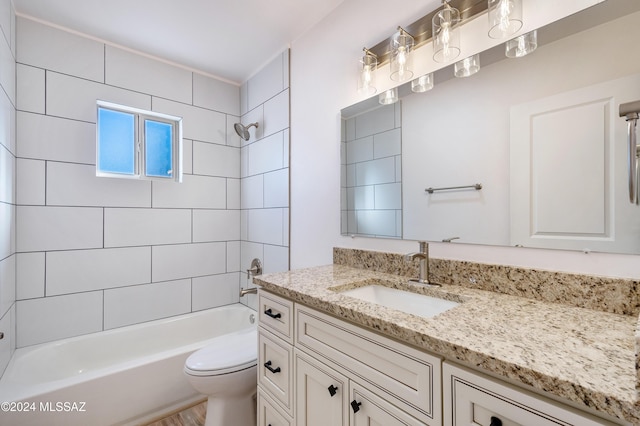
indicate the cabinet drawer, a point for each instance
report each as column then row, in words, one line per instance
column 408, row 377
column 275, row 369
column 268, row 412
column 275, row 314
column 474, row 399
column 369, row 409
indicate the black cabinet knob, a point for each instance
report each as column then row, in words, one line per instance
column 270, row 313
column 495, row 421
column 332, row 390
column 355, row 406
column 268, row 366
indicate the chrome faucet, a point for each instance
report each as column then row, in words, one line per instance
column 245, row 291
column 423, row 271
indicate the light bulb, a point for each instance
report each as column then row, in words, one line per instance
column 505, row 17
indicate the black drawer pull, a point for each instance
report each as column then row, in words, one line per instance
column 355, row 406
column 495, row 421
column 332, row 390
column 269, row 313
column 267, row 365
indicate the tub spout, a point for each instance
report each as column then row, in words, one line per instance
column 245, row 291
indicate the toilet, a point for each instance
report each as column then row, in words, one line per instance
column 225, row 370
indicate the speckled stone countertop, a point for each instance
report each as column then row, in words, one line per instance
column 581, row 355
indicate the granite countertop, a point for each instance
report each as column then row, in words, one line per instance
column 582, row 355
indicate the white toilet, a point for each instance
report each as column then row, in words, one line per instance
column 225, row 371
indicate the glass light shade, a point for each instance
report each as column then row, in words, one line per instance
column 522, row 45
column 367, row 77
column 422, row 83
column 467, row 66
column 388, row 97
column 446, row 35
column 401, row 57
column 505, row 17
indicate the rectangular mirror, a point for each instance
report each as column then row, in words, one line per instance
column 541, row 134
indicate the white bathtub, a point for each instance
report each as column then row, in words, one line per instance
column 125, row 376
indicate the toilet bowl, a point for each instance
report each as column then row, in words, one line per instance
column 225, row 370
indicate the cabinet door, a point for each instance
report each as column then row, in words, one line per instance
column 368, row 409
column 268, row 412
column 475, row 400
column 322, row 394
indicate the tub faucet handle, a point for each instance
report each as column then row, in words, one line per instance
column 256, row 268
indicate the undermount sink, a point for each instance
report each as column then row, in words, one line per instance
column 405, row 301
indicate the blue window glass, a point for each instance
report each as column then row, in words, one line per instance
column 159, row 148
column 116, row 142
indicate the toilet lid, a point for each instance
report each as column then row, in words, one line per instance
column 225, row 354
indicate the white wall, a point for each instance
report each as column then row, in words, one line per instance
column 97, row 253
column 265, row 170
column 316, row 100
column 7, row 182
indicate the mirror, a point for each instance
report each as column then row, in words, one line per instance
column 541, row 134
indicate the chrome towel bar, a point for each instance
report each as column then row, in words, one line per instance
column 477, row 187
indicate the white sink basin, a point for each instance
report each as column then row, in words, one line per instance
column 405, row 301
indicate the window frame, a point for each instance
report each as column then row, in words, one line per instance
column 139, row 142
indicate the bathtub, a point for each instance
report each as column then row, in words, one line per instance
column 126, row 376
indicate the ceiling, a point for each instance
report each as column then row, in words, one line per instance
column 231, row 39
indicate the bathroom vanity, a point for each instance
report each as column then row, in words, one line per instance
column 329, row 358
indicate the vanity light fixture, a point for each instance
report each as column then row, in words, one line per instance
column 388, row 97
column 467, row 66
column 522, row 45
column 422, row 83
column 446, row 34
column 367, row 79
column 505, row 17
column 401, row 57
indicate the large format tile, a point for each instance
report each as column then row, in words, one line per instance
column 188, row 260
column 139, row 227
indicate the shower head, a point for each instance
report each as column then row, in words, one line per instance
column 243, row 131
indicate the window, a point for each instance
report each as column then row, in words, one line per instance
column 134, row 143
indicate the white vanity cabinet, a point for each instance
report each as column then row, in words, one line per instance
column 315, row 369
column 471, row 398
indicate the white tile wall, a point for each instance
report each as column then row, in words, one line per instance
column 266, row 226
column 276, row 113
column 75, row 271
column 7, row 173
column 7, row 284
column 375, row 121
column 77, row 185
column 197, row 192
column 276, row 188
column 188, row 260
column 216, row 225
column 198, row 123
column 252, row 192
column 215, row 160
column 215, row 290
column 75, row 98
column 50, row 48
column 53, row 318
column 388, row 196
column 360, row 150
column 376, row 171
column 266, row 154
column 30, row 88
column 267, row 83
column 140, row 227
column 97, row 253
column 66, row 140
column 142, row 74
column 30, row 269
column 215, row 94
column 58, row 228
column 7, row 344
column 387, row 144
column 131, row 305
column 7, row 123
column 30, row 182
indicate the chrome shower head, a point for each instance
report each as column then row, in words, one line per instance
column 243, row 131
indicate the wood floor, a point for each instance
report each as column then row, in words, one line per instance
column 193, row 416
